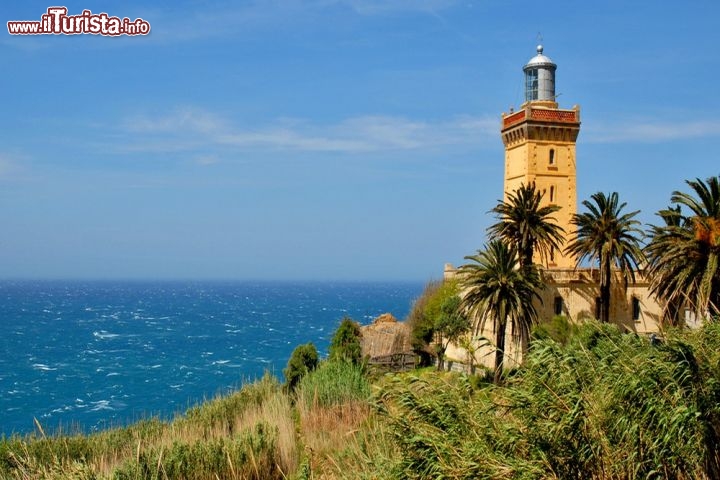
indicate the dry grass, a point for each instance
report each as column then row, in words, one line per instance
column 248, row 434
column 277, row 411
column 324, row 429
column 258, row 432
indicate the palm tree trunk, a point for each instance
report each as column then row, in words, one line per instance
column 499, row 351
column 605, row 303
column 526, row 259
column 524, row 343
column 524, row 340
column 605, row 290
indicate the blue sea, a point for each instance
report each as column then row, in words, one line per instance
column 85, row 356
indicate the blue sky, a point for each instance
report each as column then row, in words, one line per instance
column 326, row 139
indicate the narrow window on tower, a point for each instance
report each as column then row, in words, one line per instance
column 597, row 308
column 558, row 306
column 552, row 194
column 552, row 254
column 552, row 156
column 531, row 85
column 635, row 308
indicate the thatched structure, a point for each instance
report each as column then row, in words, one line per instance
column 385, row 336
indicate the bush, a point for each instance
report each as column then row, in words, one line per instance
column 304, row 359
column 345, row 344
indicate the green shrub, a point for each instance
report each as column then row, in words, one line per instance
column 345, row 344
column 304, row 359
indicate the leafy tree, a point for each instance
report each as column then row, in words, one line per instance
column 684, row 254
column 433, row 317
column 611, row 238
column 526, row 226
column 434, row 307
column 345, row 344
column 496, row 289
column 450, row 325
column 304, row 359
column 421, row 326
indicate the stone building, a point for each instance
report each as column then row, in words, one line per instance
column 539, row 141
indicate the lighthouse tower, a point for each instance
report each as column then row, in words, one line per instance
column 539, row 143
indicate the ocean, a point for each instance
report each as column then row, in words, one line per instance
column 85, row 356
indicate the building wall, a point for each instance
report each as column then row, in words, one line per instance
column 578, row 290
column 540, row 147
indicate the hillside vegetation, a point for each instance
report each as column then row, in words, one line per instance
column 603, row 405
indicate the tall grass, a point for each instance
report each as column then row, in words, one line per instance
column 605, row 406
column 245, row 435
column 332, row 404
column 258, row 432
column 333, row 383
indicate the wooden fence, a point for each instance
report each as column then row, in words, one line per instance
column 396, row 362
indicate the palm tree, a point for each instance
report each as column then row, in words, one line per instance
column 606, row 235
column 527, row 226
column 496, row 288
column 684, row 254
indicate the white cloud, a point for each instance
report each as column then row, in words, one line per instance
column 230, row 19
column 652, row 131
column 182, row 119
column 208, row 136
column 206, row 160
column 194, row 129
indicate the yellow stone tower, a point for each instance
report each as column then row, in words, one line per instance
column 540, row 147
